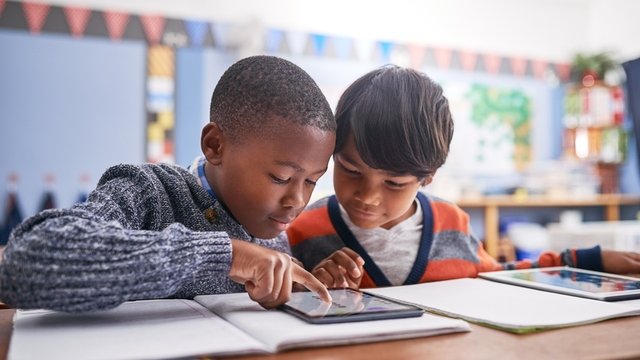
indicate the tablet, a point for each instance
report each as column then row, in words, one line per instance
column 347, row 305
column 571, row 281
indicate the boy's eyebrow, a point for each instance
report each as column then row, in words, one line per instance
column 296, row 167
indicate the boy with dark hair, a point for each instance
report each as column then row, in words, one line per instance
column 394, row 131
column 158, row 231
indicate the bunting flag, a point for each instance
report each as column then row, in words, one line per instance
column 564, row 71
column 443, row 57
column 492, row 63
column 319, row 44
column 416, row 55
column 518, row 66
column 116, row 23
column 79, row 22
column 343, row 47
column 48, row 200
column 13, row 213
column 153, row 27
column 222, row 35
column 297, row 42
column 364, row 49
column 197, row 31
column 36, row 14
column 539, row 68
column 274, row 40
column 385, row 48
column 77, row 18
column 468, row 60
column 84, row 186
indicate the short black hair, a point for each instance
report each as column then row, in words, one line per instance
column 258, row 88
column 400, row 121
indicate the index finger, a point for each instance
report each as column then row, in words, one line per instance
column 304, row 278
column 353, row 255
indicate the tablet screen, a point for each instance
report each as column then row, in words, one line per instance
column 586, row 283
column 590, row 282
column 348, row 305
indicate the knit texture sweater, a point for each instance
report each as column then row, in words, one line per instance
column 447, row 250
column 145, row 232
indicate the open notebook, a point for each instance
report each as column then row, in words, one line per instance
column 506, row 307
column 209, row 325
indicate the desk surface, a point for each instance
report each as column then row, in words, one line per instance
column 605, row 340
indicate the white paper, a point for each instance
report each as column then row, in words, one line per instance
column 149, row 329
column 513, row 308
column 279, row 330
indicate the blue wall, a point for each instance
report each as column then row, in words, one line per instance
column 68, row 107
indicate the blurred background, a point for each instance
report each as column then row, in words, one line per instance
column 543, row 94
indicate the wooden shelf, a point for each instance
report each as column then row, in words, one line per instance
column 492, row 205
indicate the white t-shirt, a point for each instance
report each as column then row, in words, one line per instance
column 394, row 250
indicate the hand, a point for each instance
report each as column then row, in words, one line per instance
column 268, row 275
column 620, row 262
column 343, row 268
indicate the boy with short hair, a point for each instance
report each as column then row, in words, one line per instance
column 158, row 231
column 394, row 131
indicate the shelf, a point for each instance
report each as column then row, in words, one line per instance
column 492, row 205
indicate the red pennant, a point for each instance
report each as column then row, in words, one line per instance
column 563, row 71
column 77, row 19
column 539, row 68
column 116, row 23
column 443, row 57
column 416, row 55
column 153, row 26
column 2, row 2
column 492, row 63
column 518, row 66
column 468, row 60
column 36, row 15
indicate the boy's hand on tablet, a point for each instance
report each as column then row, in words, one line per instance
column 268, row 275
column 620, row 262
column 343, row 268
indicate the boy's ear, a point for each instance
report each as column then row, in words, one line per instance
column 427, row 180
column 212, row 143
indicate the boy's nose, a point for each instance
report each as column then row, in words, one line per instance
column 295, row 198
column 368, row 195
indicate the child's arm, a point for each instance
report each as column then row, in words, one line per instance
column 343, row 268
column 96, row 255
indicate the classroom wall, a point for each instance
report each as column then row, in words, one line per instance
column 64, row 117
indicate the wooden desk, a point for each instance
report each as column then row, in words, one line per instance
column 492, row 205
column 605, row 340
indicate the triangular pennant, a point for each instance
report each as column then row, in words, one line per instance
column 153, row 27
column 116, row 23
column 563, row 70
column 343, row 46
column 518, row 66
column 492, row 63
column 539, row 68
column 48, row 200
column 416, row 55
column 319, row 44
column 385, row 50
column 297, row 42
column 443, row 57
column 221, row 35
column 197, row 30
column 36, row 14
column 77, row 19
column 274, row 39
column 2, row 2
column 468, row 60
column 364, row 48
column 13, row 212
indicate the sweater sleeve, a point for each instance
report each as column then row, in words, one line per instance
column 108, row 250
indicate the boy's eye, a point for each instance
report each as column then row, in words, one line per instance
column 394, row 184
column 311, row 182
column 278, row 180
column 349, row 171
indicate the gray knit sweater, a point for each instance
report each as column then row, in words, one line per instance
column 142, row 234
